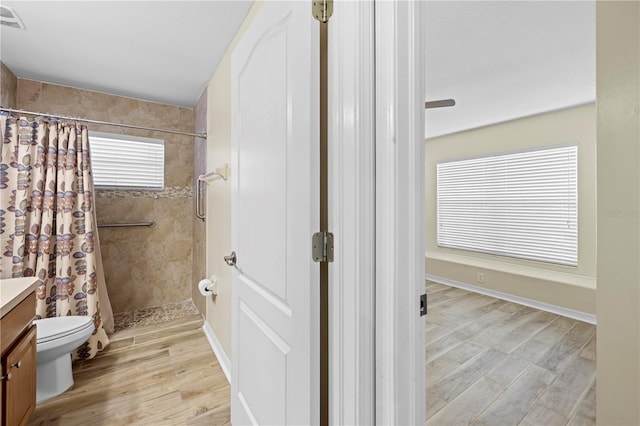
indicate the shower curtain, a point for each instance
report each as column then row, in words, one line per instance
column 47, row 221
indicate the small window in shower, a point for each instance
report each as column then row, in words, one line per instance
column 126, row 162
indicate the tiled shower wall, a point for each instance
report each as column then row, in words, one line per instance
column 144, row 267
column 8, row 83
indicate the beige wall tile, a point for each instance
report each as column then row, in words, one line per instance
column 8, row 87
column 144, row 267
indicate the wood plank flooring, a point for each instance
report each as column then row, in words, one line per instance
column 159, row 373
column 488, row 362
column 492, row 362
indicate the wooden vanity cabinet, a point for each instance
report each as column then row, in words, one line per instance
column 18, row 342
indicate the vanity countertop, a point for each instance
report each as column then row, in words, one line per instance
column 13, row 291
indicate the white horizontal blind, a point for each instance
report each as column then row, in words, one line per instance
column 121, row 161
column 520, row 205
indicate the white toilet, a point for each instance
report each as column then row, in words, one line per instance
column 55, row 339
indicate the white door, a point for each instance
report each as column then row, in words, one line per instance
column 275, row 192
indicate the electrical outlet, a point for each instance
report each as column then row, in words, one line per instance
column 480, row 277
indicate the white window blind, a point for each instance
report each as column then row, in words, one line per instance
column 520, row 205
column 121, row 161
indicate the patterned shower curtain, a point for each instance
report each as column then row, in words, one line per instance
column 47, row 220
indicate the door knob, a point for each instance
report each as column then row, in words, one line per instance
column 231, row 259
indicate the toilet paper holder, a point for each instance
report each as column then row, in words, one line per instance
column 208, row 286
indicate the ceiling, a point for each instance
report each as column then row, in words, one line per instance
column 498, row 60
column 504, row 60
column 162, row 51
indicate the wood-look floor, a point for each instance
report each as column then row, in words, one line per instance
column 488, row 362
column 492, row 362
column 156, row 374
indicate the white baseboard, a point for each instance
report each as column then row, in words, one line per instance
column 223, row 359
column 559, row 310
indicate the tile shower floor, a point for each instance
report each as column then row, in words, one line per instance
column 154, row 315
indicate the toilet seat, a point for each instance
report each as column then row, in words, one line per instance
column 55, row 328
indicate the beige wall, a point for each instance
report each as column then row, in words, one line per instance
column 199, row 227
column 569, row 287
column 143, row 266
column 8, row 87
column 219, row 192
column 618, row 86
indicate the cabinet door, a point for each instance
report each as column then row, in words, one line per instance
column 20, row 389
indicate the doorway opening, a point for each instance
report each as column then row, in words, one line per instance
column 508, row 339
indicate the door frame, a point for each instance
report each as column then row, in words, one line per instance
column 352, row 213
column 374, row 80
column 400, row 348
column 376, row 201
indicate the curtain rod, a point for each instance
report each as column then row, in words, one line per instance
column 105, row 123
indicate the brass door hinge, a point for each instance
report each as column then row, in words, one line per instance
column 322, row 247
column 322, row 9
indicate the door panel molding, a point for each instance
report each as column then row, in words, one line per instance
column 275, row 191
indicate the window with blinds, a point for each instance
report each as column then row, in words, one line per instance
column 126, row 162
column 522, row 205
